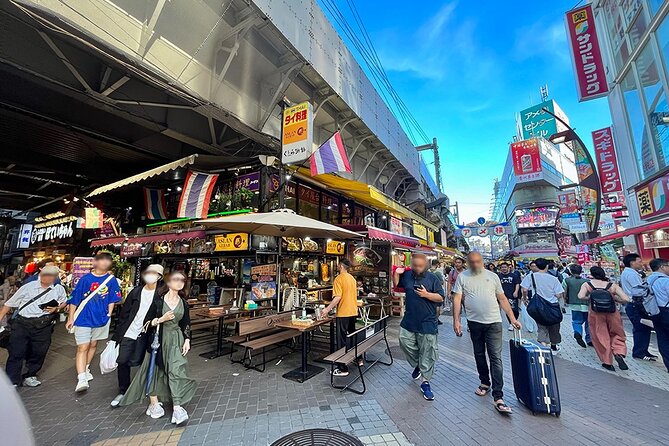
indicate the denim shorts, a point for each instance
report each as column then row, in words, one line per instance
column 85, row 335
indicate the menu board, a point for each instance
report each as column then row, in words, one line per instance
column 80, row 267
column 263, row 281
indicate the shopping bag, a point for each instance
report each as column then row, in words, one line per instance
column 526, row 320
column 108, row 358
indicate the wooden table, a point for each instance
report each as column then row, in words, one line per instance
column 305, row 371
column 222, row 317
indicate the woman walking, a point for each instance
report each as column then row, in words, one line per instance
column 170, row 381
column 606, row 325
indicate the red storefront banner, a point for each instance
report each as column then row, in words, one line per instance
column 568, row 203
column 585, row 53
column 607, row 164
column 526, row 160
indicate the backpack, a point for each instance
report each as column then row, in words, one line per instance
column 601, row 299
column 645, row 302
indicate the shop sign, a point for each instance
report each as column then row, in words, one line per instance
column 24, row 236
column 656, row 239
column 568, row 204
column 526, row 160
column 297, row 133
column 420, row 231
column 534, row 121
column 466, row 232
column 334, row 247
column 264, row 270
column 483, row 231
column 250, row 182
column 578, row 228
column 583, row 257
column 131, row 250
column 586, row 55
column 652, row 197
column 57, row 231
column 309, row 195
column 607, row 164
column 237, row 241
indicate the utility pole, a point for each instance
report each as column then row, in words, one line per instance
column 437, row 161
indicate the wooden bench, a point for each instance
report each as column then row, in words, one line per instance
column 358, row 344
column 259, row 334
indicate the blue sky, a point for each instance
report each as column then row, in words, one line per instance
column 465, row 68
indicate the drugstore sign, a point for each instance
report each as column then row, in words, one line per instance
column 237, row 241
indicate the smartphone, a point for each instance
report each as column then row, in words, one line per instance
column 50, row 304
column 417, row 287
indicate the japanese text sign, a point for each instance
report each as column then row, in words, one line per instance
column 652, row 196
column 250, row 182
column 526, row 160
column 297, row 133
column 609, row 173
column 585, row 52
column 534, row 121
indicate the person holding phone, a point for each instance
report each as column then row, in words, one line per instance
column 34, row 305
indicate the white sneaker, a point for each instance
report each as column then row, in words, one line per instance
column 179, row 416
column 156, row 411
column 557, row 349
column 116, row 401
column 82, row 385
column 89, row 375
column 31, row 381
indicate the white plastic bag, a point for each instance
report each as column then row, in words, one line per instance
column 526, row 320
column 108, row 358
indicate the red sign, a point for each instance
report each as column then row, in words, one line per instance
column 585, row 53
column 526, row 160
column 607, row 164
column 583, row 257
column 568, row 203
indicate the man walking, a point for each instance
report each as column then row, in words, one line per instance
column 632, row 284
column 437, row 271
column 483, row 296
column 418, row 329
column 545, row 286
column 136, row 311
column 91, row 306
column 579, row 309
column 345, row 298
column 511, row 286
column 659, row 282
column 34, row 304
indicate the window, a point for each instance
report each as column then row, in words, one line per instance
column 655, row 6
column 658, row 112
column 645, row 159
column 309, row 202
column 347, row 213
column 615, row 26
column 330, row 209
column 638, row 28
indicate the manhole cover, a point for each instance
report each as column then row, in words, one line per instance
column 318, row 437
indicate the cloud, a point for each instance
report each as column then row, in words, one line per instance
column 543, row 40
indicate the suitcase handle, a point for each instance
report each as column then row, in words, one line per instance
column 517, row 335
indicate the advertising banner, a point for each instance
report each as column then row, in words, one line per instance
column 24, row 236
column 607, row 164
column 238, row 241
column 297, row 133
column 651, row 197
column 420, row 231
column 250, row 181
column 526, row 160
column 535, row 122
column 568, row 204
column 334, row 247
column 585, row 53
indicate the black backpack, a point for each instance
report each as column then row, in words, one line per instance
column 601, row 299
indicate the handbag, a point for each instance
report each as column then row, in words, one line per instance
column 542, row 311
column 82, row 305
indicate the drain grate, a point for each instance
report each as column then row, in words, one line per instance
column 318, row 437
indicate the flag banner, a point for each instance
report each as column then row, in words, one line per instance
column 93, row 219
column 155, row 204
column 197, row 190
column 330, row 157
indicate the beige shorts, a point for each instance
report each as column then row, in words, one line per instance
column 85, row 335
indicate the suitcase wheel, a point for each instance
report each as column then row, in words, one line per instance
column 557, row 415
column 534, row 414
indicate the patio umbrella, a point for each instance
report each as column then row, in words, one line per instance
column 155, row 345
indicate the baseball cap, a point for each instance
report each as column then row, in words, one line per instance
column 50, row 270
column 154, row 268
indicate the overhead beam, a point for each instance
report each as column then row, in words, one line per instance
column 65, row 61
column 115, row 86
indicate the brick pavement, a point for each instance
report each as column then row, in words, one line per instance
column 237, row 406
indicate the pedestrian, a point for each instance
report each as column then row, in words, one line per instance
column 344, row 298
column 483, row 296
column 35, row 305
column 659, row 281
column 91, row 305
column 579, row 310
column 7, row 290
column 511, row 286
column 458, row 267
column 136, row 311
column 437, row 271
column 544, row 286
column 606, row 324
column 418, row 329
column 40, row 265
column 533, row 267
column 170, row 381
column 632, row 282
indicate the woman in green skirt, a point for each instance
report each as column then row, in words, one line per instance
column 170, row 381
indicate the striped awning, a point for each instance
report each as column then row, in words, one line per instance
column 107, row 241
column 402, row 240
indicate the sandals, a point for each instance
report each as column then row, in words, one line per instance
column 482, row 390
column 502, row 407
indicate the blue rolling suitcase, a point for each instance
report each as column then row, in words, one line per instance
column 534, row 378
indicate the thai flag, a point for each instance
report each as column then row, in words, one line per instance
column 330, row 157
column 154, row 204
column 196, row 194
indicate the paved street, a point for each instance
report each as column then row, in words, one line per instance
column 236, row 406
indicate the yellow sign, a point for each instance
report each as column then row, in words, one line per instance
column 237, row 241
column 420, row 231
column 335, row 247
column 644, row 201
column 297, row 133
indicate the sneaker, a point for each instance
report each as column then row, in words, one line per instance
column 646, row 358
column 579, row 340
column 650, row 355
column 156, row 411
column 116, row 401
column 89, row 375
column 556, row 348
column 510, row 328
column 609, row 367
column 361, row 362
column 82, row 385
column 31, row 381
column 416, row 373
column 427, row 391
column 620, row 359
column 179, row 416
column 339, row 372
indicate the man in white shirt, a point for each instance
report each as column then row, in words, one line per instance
column 549, row 288
column 632, row 284
column 483, row 296
column 137, row 310
column 35, row 305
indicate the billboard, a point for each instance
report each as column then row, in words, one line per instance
column 652, row 196
column 585, row 53
column 607, row 164
column 297, row 133
column 535, row 122
column 526, row 160
column 568, row 204
column 536, row 218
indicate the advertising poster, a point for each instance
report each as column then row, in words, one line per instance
column 263, row 281
column 80, row 267
column 652, row 197
column 568, row 204
column 526, row 160
column 297, row 133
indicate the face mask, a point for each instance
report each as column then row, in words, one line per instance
column 150, row 278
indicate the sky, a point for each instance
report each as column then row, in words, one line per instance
column 465, row 68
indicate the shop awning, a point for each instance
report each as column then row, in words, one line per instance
column 167, row 236
column 381, row 234
column 633, row 231
column 366, row 194
column 107, row 241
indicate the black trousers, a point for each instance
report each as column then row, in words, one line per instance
column 131, row 353
column 27, row 344
column 345, row 326
column 487, row 338
column 515, row 307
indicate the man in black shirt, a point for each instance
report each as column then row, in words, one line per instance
column 511, row 287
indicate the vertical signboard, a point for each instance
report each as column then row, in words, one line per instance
column 24, row 236
column 526, row 160
column 585, row 53
column 568, row 204
column 297, row 133
column 652, row 197
column 607, row 164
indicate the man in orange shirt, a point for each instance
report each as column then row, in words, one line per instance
column 345, row 298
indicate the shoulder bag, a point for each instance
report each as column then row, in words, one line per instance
column 83, row 303
column 542, row 311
